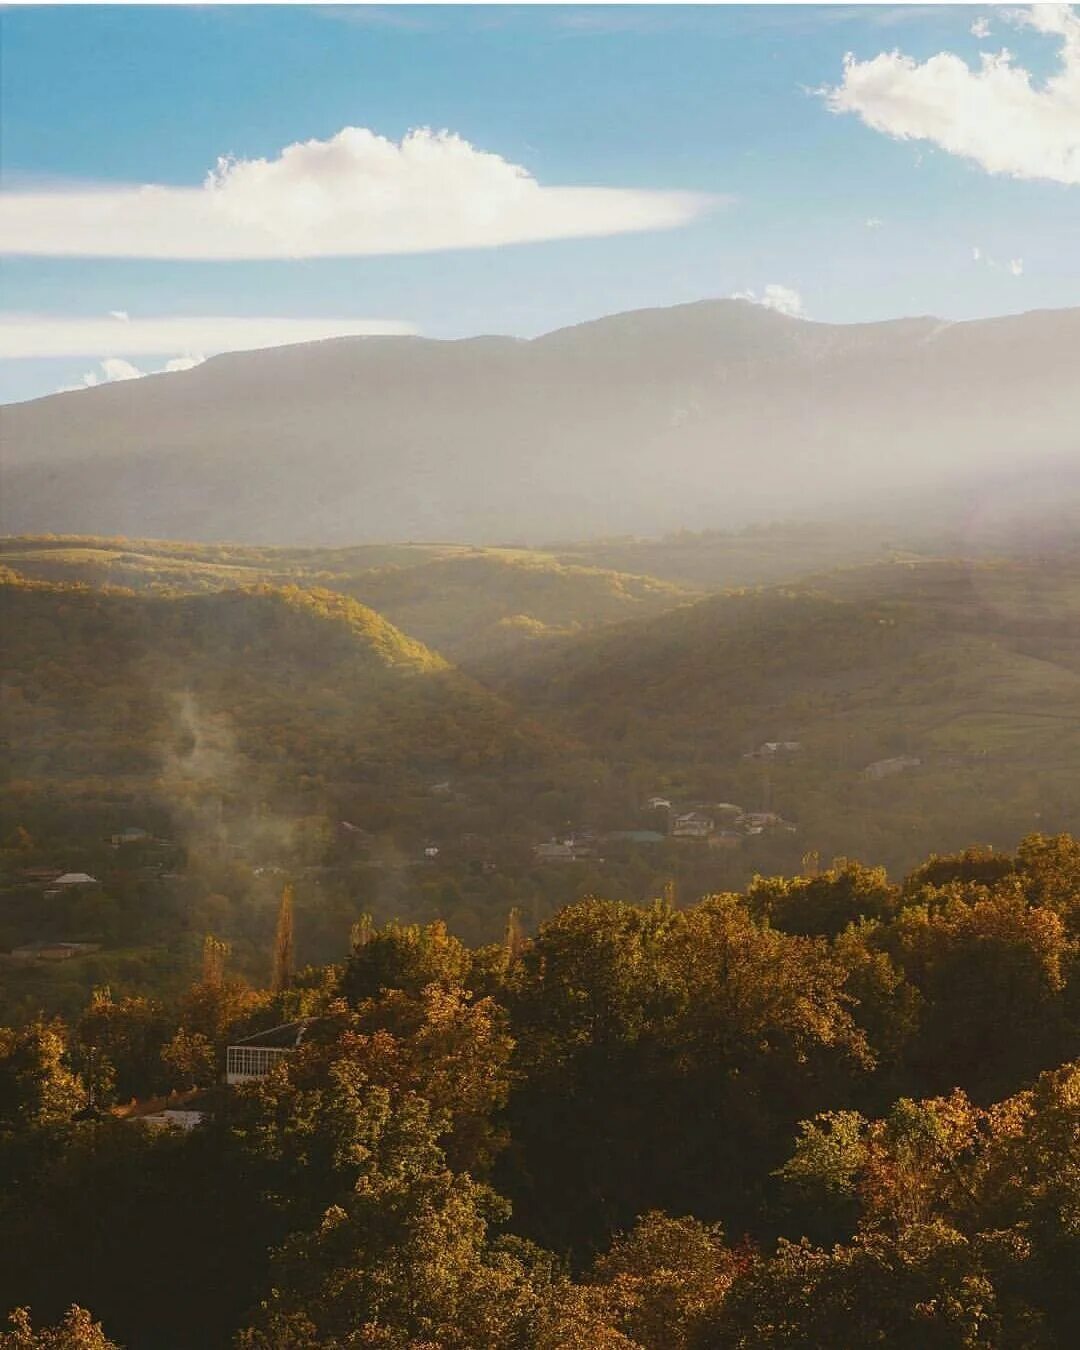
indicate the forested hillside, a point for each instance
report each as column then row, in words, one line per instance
column 969, row 670
column 231, row 734
column 104, row 683
column 833, row 1110
column 465, row 602
column 278, row 728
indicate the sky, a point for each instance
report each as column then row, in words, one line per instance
column 181, row 181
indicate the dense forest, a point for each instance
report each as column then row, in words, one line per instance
column 831, row 1110
column 586, row 1042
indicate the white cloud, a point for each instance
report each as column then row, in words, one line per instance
column 121, row 314
column 874, row 222
column 981, row 28
column 356, row 193
column 996, row 116
column 43, row 335
column 115, row 368
column 783, row 299
column 1015, row 266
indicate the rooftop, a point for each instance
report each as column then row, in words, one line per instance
column 285, row 1037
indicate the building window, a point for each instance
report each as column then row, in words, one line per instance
column 250, row 1061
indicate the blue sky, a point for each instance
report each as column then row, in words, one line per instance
column 704, row 115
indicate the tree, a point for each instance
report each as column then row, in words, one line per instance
column 966, row 1229
column 78, row 1331
column 37, row 1087
column 215, row 954
column 190, row 1060
column 126, row 1038
column 926, row 1289
column 664, row 1280
column 404, row 957
column 991, row 972
column 661, row 1059
column 826, row 902
column 403, row 1260
column 283, row 943
column 514, row 938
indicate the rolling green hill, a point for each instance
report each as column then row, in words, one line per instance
column 268, row 728
column 971, row 669
column 471, row 607
column 278, row 686
column 464, row 602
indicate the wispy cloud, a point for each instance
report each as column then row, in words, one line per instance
column 996, row 115
column 398, row 18
column 50, row 335
column 1014, row 266
column 356, row 193
column 115, row 368
column 784, row 299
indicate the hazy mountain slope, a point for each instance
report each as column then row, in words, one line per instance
column 713, row 414
column 972, row 669
column 186, row 565
column 244, row 691
column 466, row 603
column 469, row 607
column 723, row 657
column 756, row 556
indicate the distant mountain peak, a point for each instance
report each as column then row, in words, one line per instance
column 715, row 414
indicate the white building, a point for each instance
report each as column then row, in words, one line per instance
column 693, row 825
column 255, row 1056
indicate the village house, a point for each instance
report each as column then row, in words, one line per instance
column 255, row 1056
column 178, row 1111
column 757, row 822
column 658, row 804
column 693, row 825
column 53, row 951
column 573, row 848
column 774, row 749
column 70, row 881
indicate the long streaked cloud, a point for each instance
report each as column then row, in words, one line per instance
column 356, row 193
column 49, row 335
column 996, row 116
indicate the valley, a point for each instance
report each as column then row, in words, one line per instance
column 431, row 732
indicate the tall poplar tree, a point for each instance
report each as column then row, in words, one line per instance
column 283, row 942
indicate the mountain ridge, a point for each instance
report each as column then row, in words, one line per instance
column 719, row 413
